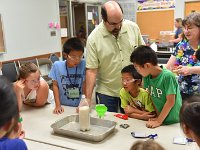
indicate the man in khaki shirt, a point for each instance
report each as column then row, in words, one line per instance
column 109, row 47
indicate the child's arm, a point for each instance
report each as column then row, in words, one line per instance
column 165, row 111
column 138, row 114
column 19, row 91
column 58, row 109
column 129, row 109
column 41, row 95
column 145, row 116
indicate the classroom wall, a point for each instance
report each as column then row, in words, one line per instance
column 179, row 8
column 26, row 31
column 178, row 13
column 191, row 7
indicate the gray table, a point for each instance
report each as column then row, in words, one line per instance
column 37, row 121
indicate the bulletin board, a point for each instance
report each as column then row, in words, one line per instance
column 192, row 7
column 152, row 22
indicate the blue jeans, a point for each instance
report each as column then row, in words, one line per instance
column 112, row 103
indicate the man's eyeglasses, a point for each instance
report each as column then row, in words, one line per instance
column 75, row 58
column 126, row 81
column 114, row 24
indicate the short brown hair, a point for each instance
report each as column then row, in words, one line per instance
column 146, row 145
column 26, row 69
column 192, row 19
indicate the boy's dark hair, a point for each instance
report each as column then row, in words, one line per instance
column 198, row 54
column 190, row 114
column 74, row 44
column 104, row 14
column 131, row 69
column 144, row 54
column 8, row 102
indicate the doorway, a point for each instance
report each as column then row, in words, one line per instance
column 79, row 19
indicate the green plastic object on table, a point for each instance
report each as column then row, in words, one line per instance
column 101, row 109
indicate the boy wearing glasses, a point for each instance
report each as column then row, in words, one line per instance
column 69, row 76
column 161, row 84
column 135, row 101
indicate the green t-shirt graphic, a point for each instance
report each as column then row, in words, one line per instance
column 161, row 86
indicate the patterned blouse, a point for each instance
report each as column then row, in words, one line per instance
column 185, row 56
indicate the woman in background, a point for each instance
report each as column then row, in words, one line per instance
column 178, row 32
column 183, row 61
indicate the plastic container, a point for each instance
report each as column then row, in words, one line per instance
column 101, row 109
column 84, row 114
column 69, row 127
column 154, row 46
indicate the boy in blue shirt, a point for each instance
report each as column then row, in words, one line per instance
column 69, row 76
column 10, row 126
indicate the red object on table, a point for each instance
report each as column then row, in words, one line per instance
column 122, row 116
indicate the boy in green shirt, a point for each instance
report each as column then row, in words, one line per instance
column 161, row 84
column 135, row 101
